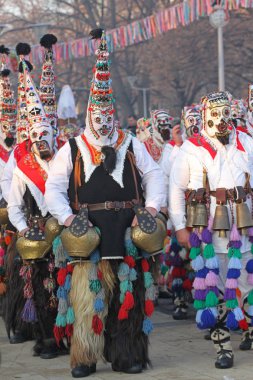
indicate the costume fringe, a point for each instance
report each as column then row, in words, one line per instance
column 86, row 346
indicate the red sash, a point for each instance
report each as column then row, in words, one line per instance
column 4, row 154
column 31, row 168
column 154, row 150
column 21, row 150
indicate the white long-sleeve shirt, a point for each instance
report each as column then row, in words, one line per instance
column 16, row 195
column 58, row 180
column 226, row 169
column 7, row 175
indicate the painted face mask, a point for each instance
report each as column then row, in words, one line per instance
column 162, row 124
column 192, row 120
column 238, row 113
column 8, row 132
column 42, row 140
column 143, row 130
column 216, row 116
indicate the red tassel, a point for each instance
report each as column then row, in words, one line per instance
column 70, row 268
column 243, row 324
column 129, row 260
column 178, row 272
column 123, row 313
column 61, row 276
column 99, row 274
column 145, row 265
column 58, row 334
column 149, row 308
column 97, row 325
column 187, row 284
column 69, row 330
column 128, row 302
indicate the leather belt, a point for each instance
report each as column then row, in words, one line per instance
column 230, row 193
column 110, row 205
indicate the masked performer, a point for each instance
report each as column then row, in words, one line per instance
column 34, row 303
column 212, row 173
column 101, row 176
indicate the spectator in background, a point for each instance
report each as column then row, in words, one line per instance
column 132, row 124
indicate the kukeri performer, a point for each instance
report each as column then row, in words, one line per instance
column 98, row 180
column 211, row 176
column 33, row 300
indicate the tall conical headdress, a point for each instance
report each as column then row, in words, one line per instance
column 22, row 49
column 7, row 101
column 101, row 98
column 47, row 81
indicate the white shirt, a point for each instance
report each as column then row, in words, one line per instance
column 7, row 175
column 227, row 170
column 16, row 195
column 58, row 180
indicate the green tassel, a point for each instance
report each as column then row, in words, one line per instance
column 95, row 286
column 164, row 270
column 234, row 252
column 121, row 298
column 198, row 304
column 124, row 286
column 250, row 298
column 61, row 320
column 211, row 299
column 232, row 304
column 70, row 318
column 251, row 249
column 148, row 280
column 194, row 252
column 208, row 252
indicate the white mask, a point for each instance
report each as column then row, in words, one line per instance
column 192, row 122
column 41, row 136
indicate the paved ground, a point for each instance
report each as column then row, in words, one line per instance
column 178, row 352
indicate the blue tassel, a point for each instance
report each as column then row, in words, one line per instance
column 70, row 317
column 132, row 274
column 212, row 263
column 202, row 273
column 233, row 273
column 147, row 326
column 148, row 279
column 99, row 305
column 250, row 310
column 234, row 263
column 208, row 320
column 61, row 320
column 198, row 263
column 95, row 257
column 61, row 293
column 249, row 266
column 238, row 314
column 231, row 323
column 198, row 316
column 214, row 311
column 67, row 283
column 123, row 271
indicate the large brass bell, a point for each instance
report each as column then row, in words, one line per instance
column 190, row 212
column 200, row 219
column 243, row 217
column 221, row 220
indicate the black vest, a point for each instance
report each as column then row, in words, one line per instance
column 101, row 187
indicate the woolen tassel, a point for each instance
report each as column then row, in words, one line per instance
column 147, row 326
column 211, row 279
column 202, row 273
column 234, row 252
column 231, row 283
column 250, row 310
column 238, row 314
column 198, row 316
column 145, row 265
column 29, row 312
column 243, row 324
column 234, row 234
column 61, row 320
column 95, row 286
column 231, row 323
column 132, row 275
column 98, row 305
column 128, row 302
column 61, row 276
column 187, row 284
column 198, row 263
column 149, row 308
column 194, row 240
column 230, row 294
column 123, row 313
column 200, row 294
column 194, row 252
column 67, row 283
column 211, row 299
column 59, row 333
column 69, row 330
column 212, row 263
column 235, row 263
column 70, row 317
column 129, row 260
column 233, row 273
column 249, row 266
column 199, row 283
column 62, row 306
column 148, row 279
column 206, row 236
column 232, row 304
column 208, row 252
column 250, row 298
column 208, row 320
column 97, row 325
column 198, row 305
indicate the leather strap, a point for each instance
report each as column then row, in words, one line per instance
column 132, row 161
column 110, row 205
column 77, row 179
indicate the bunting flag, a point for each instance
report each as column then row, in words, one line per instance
column 181, row 14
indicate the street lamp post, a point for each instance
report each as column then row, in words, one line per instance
column 218, row 20
column 132, row 80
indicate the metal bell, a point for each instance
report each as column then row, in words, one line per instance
column 200, row 219
column 243, row 217
column 221, row 220
column 190, row 212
